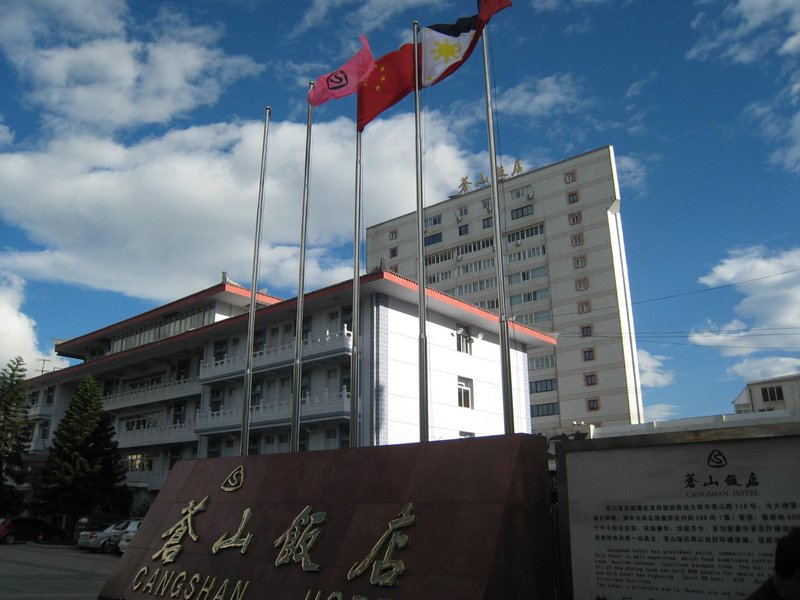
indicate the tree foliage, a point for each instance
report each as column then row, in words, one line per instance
column 84, row 471
column 13, row 433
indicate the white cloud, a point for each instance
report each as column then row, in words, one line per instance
column 18, row 331
column 768, row 317
column 541, row 98
column 652, row 372
column 632, row 173
column 746, row 32
column 365, row 16
column 179, row 208
column 754, row 369
column 6, row 136
column 87, row 71
column 660, row 412
column 553, row 5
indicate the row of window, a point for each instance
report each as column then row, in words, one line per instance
column 522, row 276
column 472, row 267
column 527, row 254
column 551, row 408
column 531, row 296
column 550, row 385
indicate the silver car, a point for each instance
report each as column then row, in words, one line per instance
column 99, row 538
column 126, row 536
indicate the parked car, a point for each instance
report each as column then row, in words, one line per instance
column 127, row 535
column 25, row 529
column 98, row 539
column 94, row 522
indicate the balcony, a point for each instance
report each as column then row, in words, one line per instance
column 153, row 393
column 154, row 480
column 273, row 412
column 270, row 358
column 39, row 445
column 161, row 434
column 40, row 409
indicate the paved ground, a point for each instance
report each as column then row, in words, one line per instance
column 40, row 571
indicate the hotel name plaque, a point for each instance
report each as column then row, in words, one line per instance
column 461, row 519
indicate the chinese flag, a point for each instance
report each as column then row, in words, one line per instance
column 390, row 81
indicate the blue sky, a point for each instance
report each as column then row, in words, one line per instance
column 130, row 140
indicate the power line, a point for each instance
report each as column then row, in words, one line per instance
column 718, row 287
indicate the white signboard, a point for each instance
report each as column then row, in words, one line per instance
column 688, row 520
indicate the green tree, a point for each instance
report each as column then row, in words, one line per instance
column 84, row 471
column 13, row 433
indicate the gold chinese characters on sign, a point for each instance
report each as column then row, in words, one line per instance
column 385, row 571
column 295, row 544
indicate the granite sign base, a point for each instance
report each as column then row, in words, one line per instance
column 452, row 520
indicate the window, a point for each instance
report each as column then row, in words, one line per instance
column 544, row 410
column 543, row 385
column 590, row 379
column 593, row 404
column 463, row 211
column 51, row 394
column 393, row 252
column 588, row 354
column 393, row 234
column 487, row 222
column 577, row 240
column 572, row 197
column 579, row 261
column 574, row 218
column 526, row 191
column 541, row 362
column 570, row 177
column 463, row 229
column 584, row 307
column 586, row 330
column 433, row 220
column 523, row 211
column 433, row 239
column 772, row 394
column 465, row 392
column 33, row 398
column 463, row 339
column 486, row 204
column 582, row 284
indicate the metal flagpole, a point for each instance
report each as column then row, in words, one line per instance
column 251, row 322
column 505, row 353
column 294, row 434
column 355, row 325
column 423, row 304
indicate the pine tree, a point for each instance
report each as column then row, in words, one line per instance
column 13, row 433
column 84, row 470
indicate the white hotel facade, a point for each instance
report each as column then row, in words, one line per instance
column 172, row 377
column 566, row 276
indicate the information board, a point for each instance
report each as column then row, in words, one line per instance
column 662, row 518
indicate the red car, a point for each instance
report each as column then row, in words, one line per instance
column 26, row 529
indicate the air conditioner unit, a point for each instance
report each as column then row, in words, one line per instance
column 458, row 258
column 518, row 242
column 530, row 196
column 488, row 209
column 459, row 217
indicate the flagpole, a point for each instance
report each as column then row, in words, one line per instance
column 423, row 304
column 505, row 352
column 294, row 434
column 356, row 311
column 251, row 320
